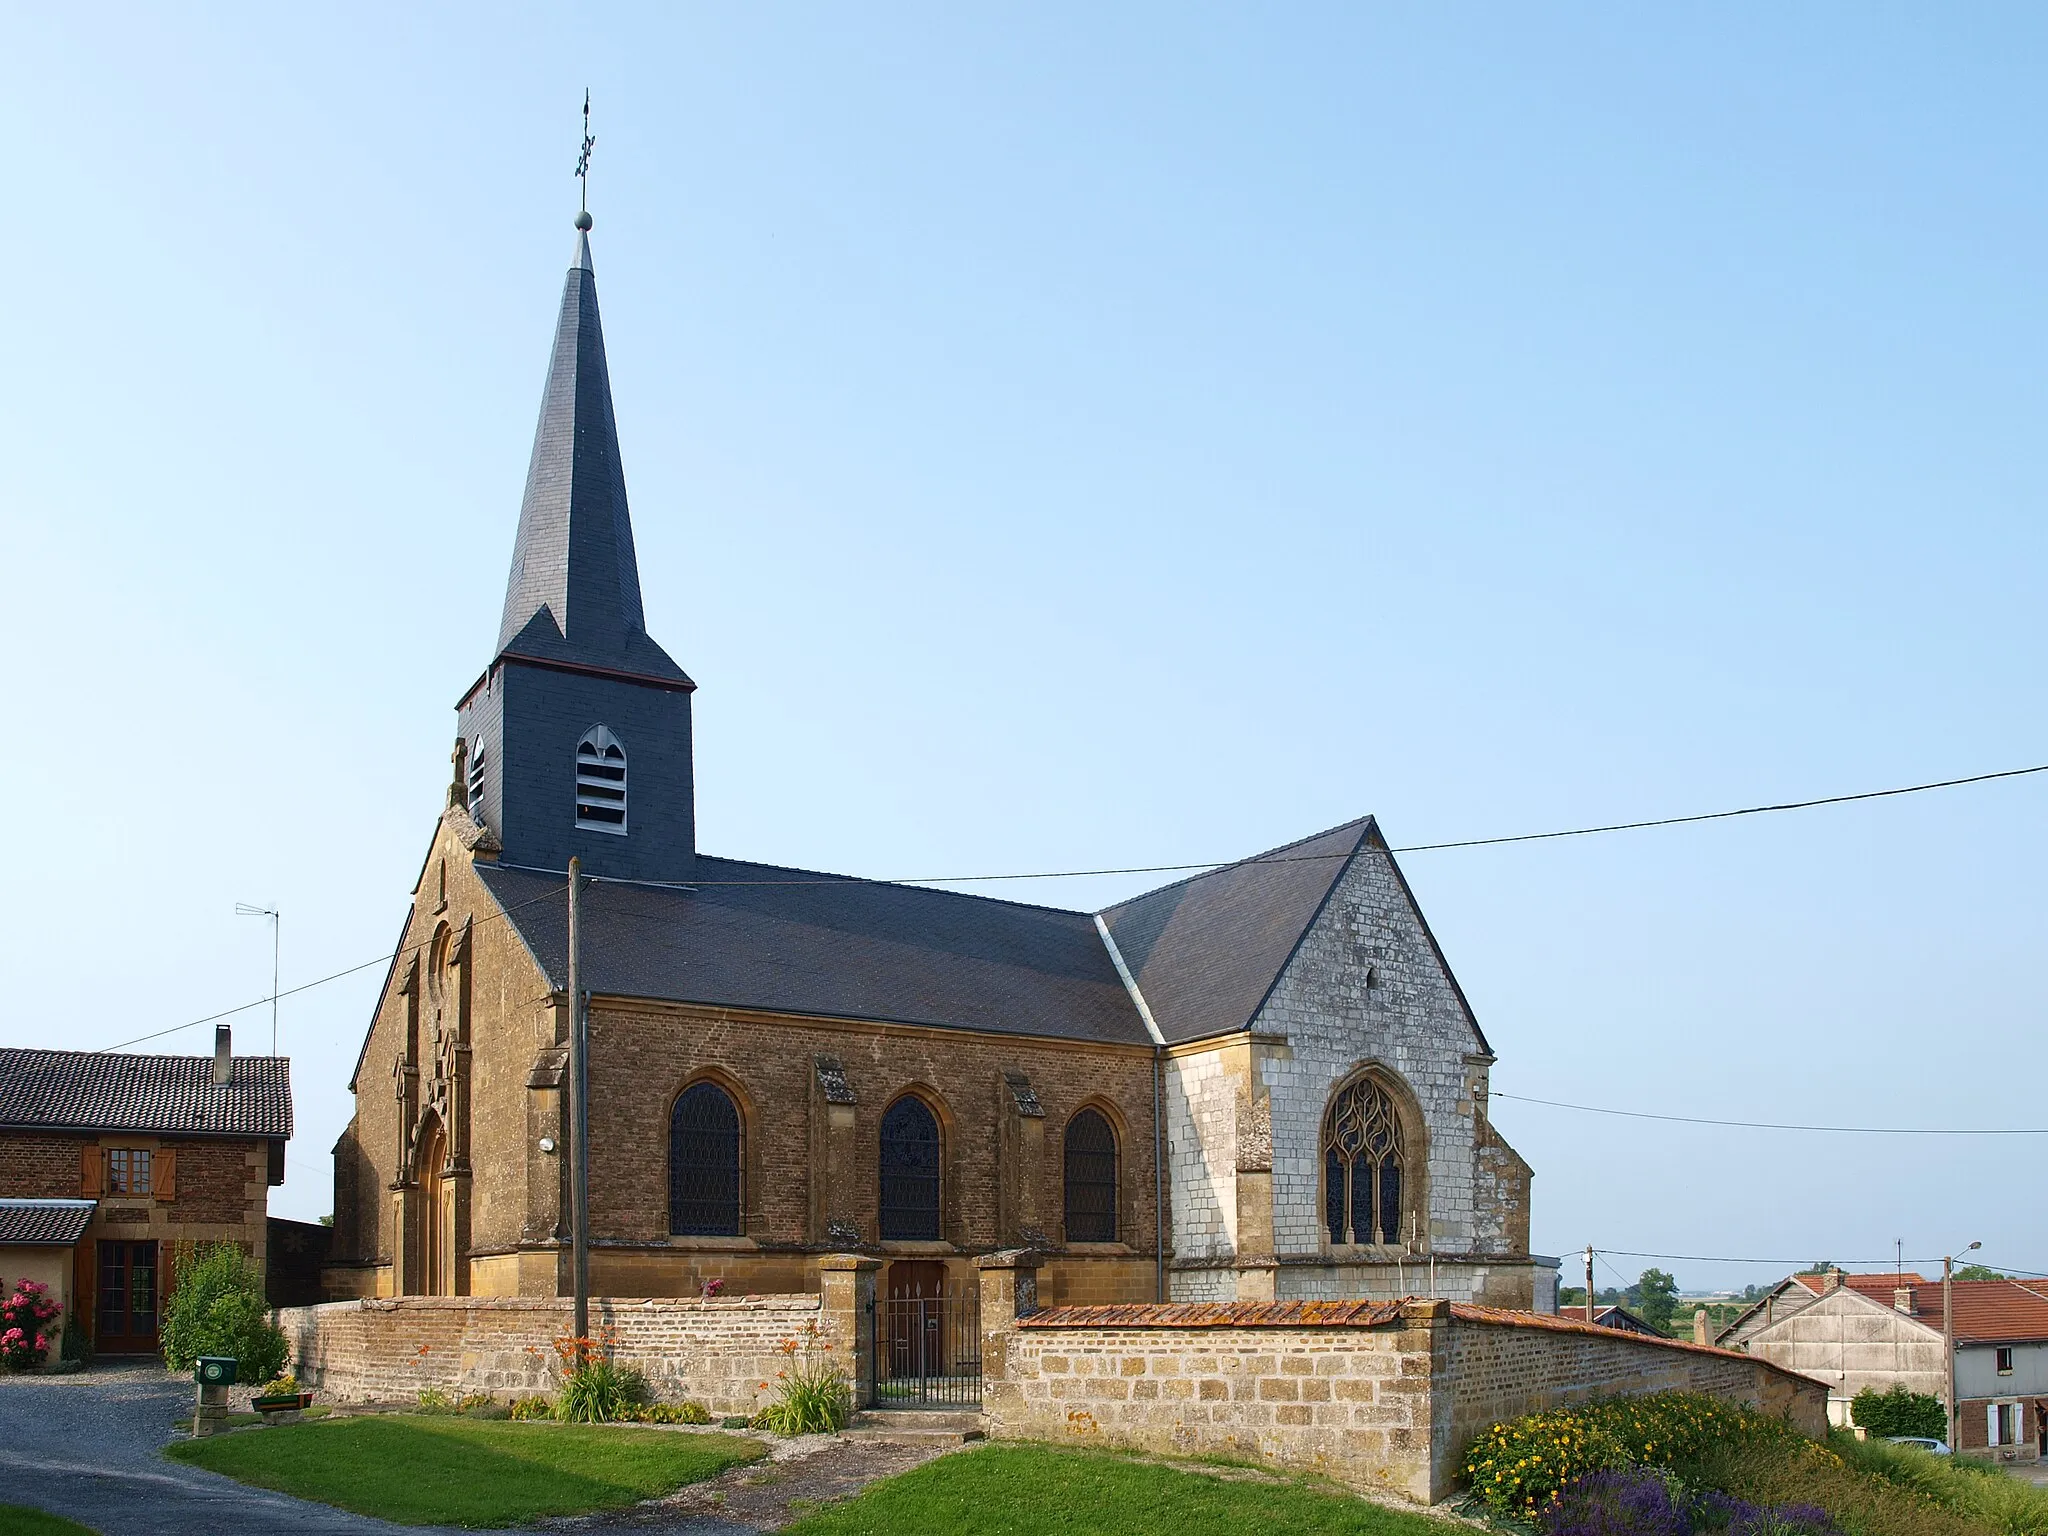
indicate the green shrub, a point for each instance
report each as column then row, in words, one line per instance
column 282, row 1385
column 1899, row 1412
column 77, row 1341
column 671, row 1413
column 1967, row 1489
column 434, row 1400
column 1518, row 1467
column 218, row 1308
column 599, row 1391
column 533, row 1408
column 487, row 1409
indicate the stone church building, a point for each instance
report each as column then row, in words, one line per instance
column 1262, row 1082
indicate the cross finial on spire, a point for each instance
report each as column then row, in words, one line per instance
column 583, row 165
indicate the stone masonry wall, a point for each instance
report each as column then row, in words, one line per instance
column 1367, row 986
column 1379, row 1396
column 721, row 1353
column 1201, row 1119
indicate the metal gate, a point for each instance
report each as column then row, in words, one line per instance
column 928, row 1350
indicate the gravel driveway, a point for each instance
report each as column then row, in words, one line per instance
column 85, row 1446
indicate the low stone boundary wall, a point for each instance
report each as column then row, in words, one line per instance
column 1377, row 1394
column 721, row 1353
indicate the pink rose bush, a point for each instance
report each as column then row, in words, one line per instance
column 25, row 1319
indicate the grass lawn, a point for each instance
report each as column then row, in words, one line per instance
column 17, row 1520
column 1025, row 1490
column 451, row 1471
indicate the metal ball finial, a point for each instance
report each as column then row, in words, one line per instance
column 584, row 221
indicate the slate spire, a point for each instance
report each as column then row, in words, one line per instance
column 574, row 594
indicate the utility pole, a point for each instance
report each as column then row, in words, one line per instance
column 579, row 1114
column 1589, row 1282
column 1948, row 1340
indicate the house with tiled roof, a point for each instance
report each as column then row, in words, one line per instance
column 1260, row 1082
column 113, row 1167
column 1886, row 1330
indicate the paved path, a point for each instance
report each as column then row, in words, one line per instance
column 85, row 1447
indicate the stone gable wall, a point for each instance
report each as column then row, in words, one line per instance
column 1408, row 1021
column 718, row 1353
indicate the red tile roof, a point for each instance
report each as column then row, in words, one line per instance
column 1987, row 1311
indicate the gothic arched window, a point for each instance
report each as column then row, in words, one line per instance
column 704, row 1163
column 600, row 781
column 1362, row 1166
column 910, row 1172
column 1091, row 1178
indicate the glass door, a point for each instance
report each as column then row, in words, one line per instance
column 127, row 1299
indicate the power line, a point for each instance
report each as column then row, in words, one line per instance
column 1774, row 1125
column 1297, row 858
column 308, row 986
column 1883, row 1266
column 1469, row 842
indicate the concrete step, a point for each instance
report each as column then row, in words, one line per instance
column 916, row 1426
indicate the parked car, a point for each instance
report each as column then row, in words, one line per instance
column 1920, row 1443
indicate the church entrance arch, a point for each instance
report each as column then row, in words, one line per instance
column 437, row 1219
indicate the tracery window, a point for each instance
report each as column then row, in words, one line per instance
column 1091, row 1178
column 1362, row 1166
column 910, row 1172
column 704, row 1163
column 600, row 781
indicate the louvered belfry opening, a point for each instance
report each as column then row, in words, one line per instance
column 1362, row 1166
column 1091, row 1178
column 600, row 781
column 910, row 1172
column 704, row 1163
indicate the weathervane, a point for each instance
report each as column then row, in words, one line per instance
column 583, row 165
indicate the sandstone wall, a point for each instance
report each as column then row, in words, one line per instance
column 719, row 1352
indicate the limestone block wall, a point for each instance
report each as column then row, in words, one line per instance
column 1202, row 1090
column 1368, row 986
column 1379, row 1395
column 716, row 1352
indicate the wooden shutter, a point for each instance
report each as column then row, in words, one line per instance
column 163, row 1173
column 1991, row 1423
column 92, row 1175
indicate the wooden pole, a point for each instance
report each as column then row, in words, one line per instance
column 1589, row 1282
column 579, row 1111
column 1948, row 1343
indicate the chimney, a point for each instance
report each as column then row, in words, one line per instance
column 223, row 1056
column 1903, row 1300
column 1832, row 1281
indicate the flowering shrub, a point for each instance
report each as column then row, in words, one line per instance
column 1517, row 1468
column 1638, row 1502
column 595, row 1388
column 285, row 1385
column 534, row 1408
column 812, row 1395
column 25, row 1319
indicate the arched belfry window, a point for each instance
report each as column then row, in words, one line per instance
column 704, row 1163
column 600, row 781
column 1091, row 1178
column 910, row 1172
column 1362, row 1165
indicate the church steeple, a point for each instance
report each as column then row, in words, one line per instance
column 574, row 594
column 576, row 739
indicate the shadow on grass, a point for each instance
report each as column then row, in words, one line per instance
column 422, row 1471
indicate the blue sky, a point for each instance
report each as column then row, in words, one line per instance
column 1060, row 438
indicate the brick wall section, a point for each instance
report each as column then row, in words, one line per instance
column 717, row 1353
column 36, row 1165
column 1379, row 1395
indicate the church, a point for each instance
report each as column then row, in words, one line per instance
column 1259, row 1083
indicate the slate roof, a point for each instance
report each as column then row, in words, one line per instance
column 169, row 1095
column 1206, row 951
column 44, row 1223
column 574, row 593
column 831, row 946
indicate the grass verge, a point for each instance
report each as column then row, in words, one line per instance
column 1031, row 1490
column 449, row 1471
column 1975, row 1490
column 19, row 1520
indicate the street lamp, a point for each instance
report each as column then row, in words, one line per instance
column 1948, row 1339
column 243, row 909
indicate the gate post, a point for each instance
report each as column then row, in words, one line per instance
column 846, row 1316
column 1009, row 1290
